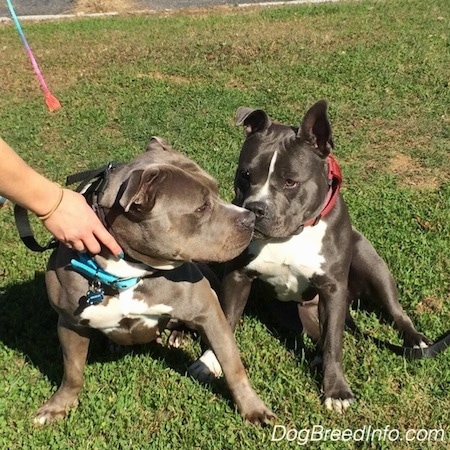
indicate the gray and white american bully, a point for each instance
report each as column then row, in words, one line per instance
column 304, row 244
column 164, row 211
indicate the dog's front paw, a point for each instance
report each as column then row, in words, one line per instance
column 261, row 415
column 206, row 368
column 339, row 397
column 250, row 405
column 338, row 405
column 51, row 411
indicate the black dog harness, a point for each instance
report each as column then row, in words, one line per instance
column 92, row 186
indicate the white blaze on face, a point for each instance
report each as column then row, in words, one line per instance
column 263, row 193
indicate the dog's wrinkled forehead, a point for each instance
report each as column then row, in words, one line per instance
column 259, row 148
column 313, row 133
column 158, row 152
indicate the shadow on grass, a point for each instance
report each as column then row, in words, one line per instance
column 28, row 325
column 283, row 322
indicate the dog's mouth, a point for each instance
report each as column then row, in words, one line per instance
column 259, row 235
column 277, row 233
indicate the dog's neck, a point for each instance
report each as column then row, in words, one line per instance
column 126, row 268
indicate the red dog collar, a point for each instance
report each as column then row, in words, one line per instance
column 334, row 182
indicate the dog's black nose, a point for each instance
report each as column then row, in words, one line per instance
column 258, row 208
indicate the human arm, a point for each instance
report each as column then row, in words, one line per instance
column 71, row 219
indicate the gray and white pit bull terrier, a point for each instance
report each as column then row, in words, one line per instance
column 164, row 211
column 304, row 245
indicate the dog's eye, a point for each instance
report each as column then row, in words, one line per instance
column 289, row 183
column 245, row 174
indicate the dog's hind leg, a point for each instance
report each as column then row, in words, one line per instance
column 370, row 275
column 75, row 345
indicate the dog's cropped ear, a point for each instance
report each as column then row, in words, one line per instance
column 253, row 119
column 139, row 189
column 316, row 129
column 156, row 142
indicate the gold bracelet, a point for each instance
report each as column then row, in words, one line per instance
column 47, row 216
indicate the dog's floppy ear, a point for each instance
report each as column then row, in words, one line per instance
column 139, row 189
column 158, row 142
column 253, row 119
column 316, row 129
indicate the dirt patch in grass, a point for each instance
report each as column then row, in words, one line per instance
column 398, row 149
column 429, row 305
column 156, row 75
column 412, row 174
column 103, row 6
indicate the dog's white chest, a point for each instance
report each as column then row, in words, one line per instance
column 107, row 317
column 289, row 265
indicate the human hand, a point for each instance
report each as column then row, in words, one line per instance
column 75, row 224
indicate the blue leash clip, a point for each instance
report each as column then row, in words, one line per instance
column 86, row 265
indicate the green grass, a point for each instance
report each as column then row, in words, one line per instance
column 383, row 66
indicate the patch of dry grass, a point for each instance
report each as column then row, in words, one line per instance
column 103, row 6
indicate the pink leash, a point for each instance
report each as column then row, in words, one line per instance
column 51, row 101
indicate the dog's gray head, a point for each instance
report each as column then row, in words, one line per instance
column 282, row 172
column 163, row 206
